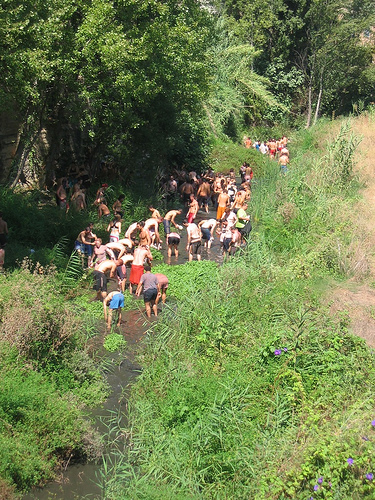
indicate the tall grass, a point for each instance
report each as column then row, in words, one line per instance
column 250, row 388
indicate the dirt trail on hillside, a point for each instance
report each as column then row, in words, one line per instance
column 358, row 298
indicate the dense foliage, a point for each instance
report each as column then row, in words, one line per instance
column 140, row 84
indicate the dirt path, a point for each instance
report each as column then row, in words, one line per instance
column 357, row 297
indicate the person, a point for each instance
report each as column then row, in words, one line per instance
column 103, row 210
column 263, row 148
column 169, row 219
column 236, row 241
column 163, row 283
column 144, row 235
column 61, row 196
column 243, row 223
column 100, row 195
column 78, row 197
column 114, row 229
column 115, row 250
column 117, row 206
column 171, row 189
column 207, row 227
column 151, row 289
column 152, row 226
column 99, row 251
column 126, row 242
column 283, row 162
column 226, row 237
column 130, row 233
column 3, row 240
column 155, row 214
column 113, row 302
column 123, row 263
column 100, row 276
column 141, row 253
column 193, row 209
column 186, row 190
column 194, row 242
column 83, row 245
column 173, row 240
column 203, row 194
column 223, row 201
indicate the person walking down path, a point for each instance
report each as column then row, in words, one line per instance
column 151, row 288
column 113, row 302
column 3, row 240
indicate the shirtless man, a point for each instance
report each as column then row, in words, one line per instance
column 117, row 206
column 173, row 240
column 169, row 219
column 223, row 202
column 144, row 235
column 3, row 239
column 141, row 254
column 126, row 242
column 194, row 243
column 100, row 275
column 207, row 228
column 163, row 284
column 115, row 250
column 283, row 162
column 114, row 301
column 152, row 226
column 203, row 194
column 131, row 231
column 193, row 209
column 83, row 244
column 103, row 210
column 272, row 148
column 155, row 214
column 186, row 190
column 125, row 261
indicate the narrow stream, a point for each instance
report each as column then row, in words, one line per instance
column 80, row 481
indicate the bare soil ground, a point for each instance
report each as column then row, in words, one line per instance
column 357, row 296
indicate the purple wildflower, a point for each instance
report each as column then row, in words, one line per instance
column 316, row 487
column 277, row 352
column 373, row 423
column 370, row 476
column 285, row 349
column 320, row 480
column 350, row 461
column 330, row 484
column 365, row 438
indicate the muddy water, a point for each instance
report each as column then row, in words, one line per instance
column 80, row 481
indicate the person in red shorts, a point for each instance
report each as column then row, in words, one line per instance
column 141, row 254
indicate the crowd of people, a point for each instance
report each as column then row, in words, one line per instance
column 127, row 257
column 274, row 148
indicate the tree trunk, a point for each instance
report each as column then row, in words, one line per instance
column 24, row 147
column 319, row 100
column 309, row 106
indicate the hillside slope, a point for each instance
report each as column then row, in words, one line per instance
column 357, row 297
